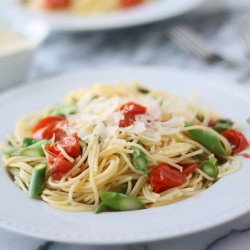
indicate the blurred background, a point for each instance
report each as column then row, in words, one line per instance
column 115, row 39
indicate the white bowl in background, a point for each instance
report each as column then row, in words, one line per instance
column 15, row 63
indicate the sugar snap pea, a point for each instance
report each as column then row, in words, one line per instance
column 139, row 160
column 102, row 208
column 64, row 110
column 208, row 140
column 209, row 169
column 37, row 180
column 33, row 150
column 223, row 125
column 121, row 202
column 121, row 189
column 29, row 141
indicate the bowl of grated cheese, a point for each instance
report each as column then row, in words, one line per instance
column 17, row 50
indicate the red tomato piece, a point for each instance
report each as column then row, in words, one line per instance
column 129, row 111
column 189, row 168
column 164, row 177
column 52, row 150
column 212, row 123
column 130, row 3
column 58, row 166
column 245, row 155
column 49, row 126
column 71, row 145
column 55, row 4
column 45, row 121
column 237, row 140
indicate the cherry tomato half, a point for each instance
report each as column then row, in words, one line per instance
column 58, row 165
column 129, row 111
column 189, row 168
column 69, row 143
column 237, row 140
column 55, row 4
column 164, row 177
column 130, row 3
column 245, row 155
column 49, row 126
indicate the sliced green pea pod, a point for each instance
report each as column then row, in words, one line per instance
column 33, row 150
column 223, row 125
column 207, row 140
column 29, row 141
column 248, row 120
column 64, row 110
column 100, row 208
column 121, row 202
column 139, row 160
column 37, row 180
column 143, row 90
column 121, row 189
column 11, row 151
column 103, row 208
column 209, row 169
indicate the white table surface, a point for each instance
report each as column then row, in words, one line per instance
column 147, row 46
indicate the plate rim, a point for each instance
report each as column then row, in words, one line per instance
column 107, row 25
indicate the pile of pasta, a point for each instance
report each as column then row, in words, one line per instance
column 120, row 147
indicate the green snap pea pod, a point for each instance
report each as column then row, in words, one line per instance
column 102, row 208
column 29, row 141
column 223, row 125
column 208, row 140
column 143, row 90
column 11, row 151
column 65, row 110
column 35, row 149
column 121, row 202
column 209, row 169
column 121, row 189
column 32, row 150
column 248, row 120
column 37, row 180
column 139, row 160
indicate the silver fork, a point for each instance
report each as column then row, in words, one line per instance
column 242, row 26
column 243, row 29
column 192, row 42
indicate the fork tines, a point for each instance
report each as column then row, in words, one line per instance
column 190, row 41
column 243, row 28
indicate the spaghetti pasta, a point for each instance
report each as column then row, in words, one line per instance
column 152, row 143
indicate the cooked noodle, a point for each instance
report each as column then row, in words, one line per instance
column 105, row 161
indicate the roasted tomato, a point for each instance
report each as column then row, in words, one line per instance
column 237, row 140
column 48, row 127
column 164, row 177
column 58, row 165
column 56, row 4
column 130, row 3
column 189, row 168
column 129, row 111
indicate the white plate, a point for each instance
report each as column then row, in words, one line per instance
column 218, row 204
column 146, row 13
